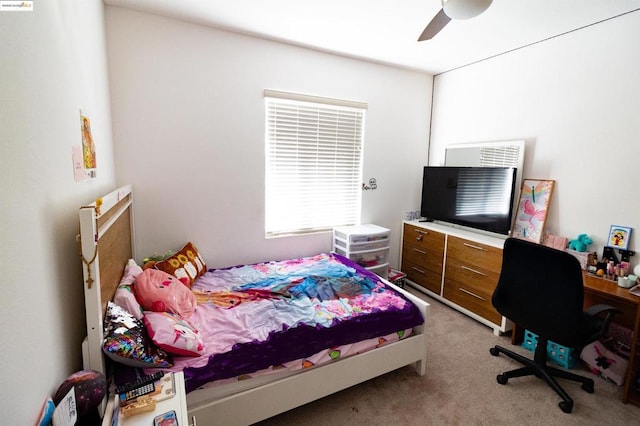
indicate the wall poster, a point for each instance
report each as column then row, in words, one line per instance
column 88, row 148
column 533, row 205
column 84, row 155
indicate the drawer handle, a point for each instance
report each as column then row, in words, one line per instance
column 466, row 268
column 194, row 422
column 418, row 270
column 421, row 234
column 474, row 247
column 472, row 294
column 420, row 251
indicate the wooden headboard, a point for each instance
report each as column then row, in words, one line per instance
column 106, row 244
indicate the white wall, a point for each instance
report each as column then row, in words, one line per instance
column 575, row 99
column 188, row 118
column 52, row 63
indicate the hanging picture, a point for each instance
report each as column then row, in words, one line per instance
column 619, row 237
column 88, row 147
column 533, row 206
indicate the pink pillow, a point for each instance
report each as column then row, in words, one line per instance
column 124, row 296
column 158, row 291
column 173, row 334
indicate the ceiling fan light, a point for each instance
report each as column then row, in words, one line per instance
column 465, row 9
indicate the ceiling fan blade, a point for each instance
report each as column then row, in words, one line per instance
column 437, row 23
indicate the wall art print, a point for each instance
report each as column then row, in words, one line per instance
column 619, row 237
column 88, row 147
column 533, row 206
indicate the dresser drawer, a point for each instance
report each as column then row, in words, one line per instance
column 420, row 275
column 423, row 257
column 469, row 298
column 423, row 238
column 473, row 253
column 476, row 278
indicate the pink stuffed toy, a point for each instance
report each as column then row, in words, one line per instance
column 159, row 291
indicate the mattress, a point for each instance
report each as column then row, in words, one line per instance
column 290, row 314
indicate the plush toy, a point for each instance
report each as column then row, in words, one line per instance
column 159, row 291
column 581, row 243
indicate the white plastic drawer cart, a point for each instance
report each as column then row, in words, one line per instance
column 367, row 245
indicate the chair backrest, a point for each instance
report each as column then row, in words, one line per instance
column 541, row 289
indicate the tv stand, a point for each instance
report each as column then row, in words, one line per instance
column 457, row 267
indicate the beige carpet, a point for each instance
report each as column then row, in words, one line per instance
column 460, row 388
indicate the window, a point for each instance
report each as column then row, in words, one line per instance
column 313, row 169
column 507, row 156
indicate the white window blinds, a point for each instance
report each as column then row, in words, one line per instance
column 508, row 156
column 313, row 169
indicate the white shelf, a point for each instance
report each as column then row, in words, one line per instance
column 178, row 403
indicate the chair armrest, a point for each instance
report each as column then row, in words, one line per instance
column 600, row 308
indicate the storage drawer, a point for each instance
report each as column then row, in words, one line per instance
column 423, row 238
column 368, row 245
column 423, row 257
column 380, row 270
column 473, row 253
column 478, row 279
column 420, row 275
column 366, row 258
column 470, row 299
column 361, row 233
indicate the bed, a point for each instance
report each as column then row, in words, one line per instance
column 106, row 244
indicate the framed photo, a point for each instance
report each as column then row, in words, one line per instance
column 619, row 237
column 533, row 206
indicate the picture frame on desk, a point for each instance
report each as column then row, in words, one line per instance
column 619, row 237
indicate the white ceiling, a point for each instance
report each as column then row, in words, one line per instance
column 387, row 30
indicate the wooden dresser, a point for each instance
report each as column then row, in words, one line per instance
column 422, row 256
column 457, row 267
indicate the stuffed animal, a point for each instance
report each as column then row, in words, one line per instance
column 581, row 243
column 159, row 291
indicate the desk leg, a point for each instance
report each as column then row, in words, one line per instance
column 517, row 334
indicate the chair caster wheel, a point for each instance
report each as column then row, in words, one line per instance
column 587, row 387
column 566, row 406
column 494, row 351
column 502, row 379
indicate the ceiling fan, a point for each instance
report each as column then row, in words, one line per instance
column 453, row 9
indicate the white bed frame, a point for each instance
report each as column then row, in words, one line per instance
column 106, row 241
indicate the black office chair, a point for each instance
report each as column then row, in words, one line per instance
column 540, row 289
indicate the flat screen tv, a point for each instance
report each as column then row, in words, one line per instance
column 476, row 197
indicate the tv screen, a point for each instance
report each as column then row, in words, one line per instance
column 477, row 197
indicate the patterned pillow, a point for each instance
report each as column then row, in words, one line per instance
column 126, row 341
column 186, row 265
column 173, row 334
column 124, row 296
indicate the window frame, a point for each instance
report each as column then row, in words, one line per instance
column 305, row 136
